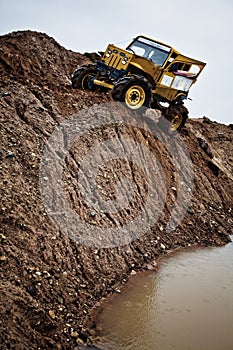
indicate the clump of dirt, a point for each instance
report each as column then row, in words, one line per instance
column 51, row 285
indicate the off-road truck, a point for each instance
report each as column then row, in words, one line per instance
column 147, row 73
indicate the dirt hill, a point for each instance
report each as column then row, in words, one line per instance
column 51, row 285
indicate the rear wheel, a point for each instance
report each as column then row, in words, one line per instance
column 177, row 122
column 177, row 116
column 83, row 76
column 134, row 90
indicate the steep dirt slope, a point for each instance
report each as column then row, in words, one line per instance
column 50, row 284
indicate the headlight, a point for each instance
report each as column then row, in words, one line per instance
column 109, row 53
column 124, row 60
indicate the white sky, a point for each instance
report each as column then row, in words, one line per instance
column 202, row 29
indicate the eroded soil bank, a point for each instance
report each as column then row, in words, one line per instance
column 51, row 285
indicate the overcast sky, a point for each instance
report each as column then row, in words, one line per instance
column 202, row 29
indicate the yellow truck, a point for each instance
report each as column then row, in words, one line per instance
column 148, row 73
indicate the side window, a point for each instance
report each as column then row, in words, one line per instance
column 194, row 69
column 158, row 56
column 175, row 66
column 186, row 69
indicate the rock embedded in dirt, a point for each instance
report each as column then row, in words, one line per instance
column 3, row 258
column 52, row 314
column 79, row 341
column 48, row 280
column 74, row 334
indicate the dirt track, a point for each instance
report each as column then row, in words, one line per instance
column 50, row 285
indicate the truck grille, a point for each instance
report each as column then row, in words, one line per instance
column 116, row 58
column 114, row 61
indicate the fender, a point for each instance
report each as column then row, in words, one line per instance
column 140, row 69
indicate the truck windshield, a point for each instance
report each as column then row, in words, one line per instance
column 151, row 50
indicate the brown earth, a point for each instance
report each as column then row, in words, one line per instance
column 51, row 286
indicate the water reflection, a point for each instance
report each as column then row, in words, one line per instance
column 187, row 304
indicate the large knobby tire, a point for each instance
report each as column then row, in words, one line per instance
column 177, row 115
column 134, row 90
column 82, row 77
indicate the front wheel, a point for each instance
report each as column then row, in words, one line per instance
column 83, row 76
column 134, row 90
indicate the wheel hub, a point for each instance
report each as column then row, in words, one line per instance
column 135, row 97
column 86, row 80
column 176, row 122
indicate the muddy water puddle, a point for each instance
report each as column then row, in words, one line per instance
column 186, row 304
